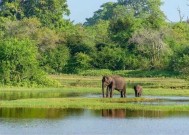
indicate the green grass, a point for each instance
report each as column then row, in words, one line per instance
column 74, row 88
column 95, row 81
column 74, row 85
column 24, row 93
column 131, row 73
column 91, row 103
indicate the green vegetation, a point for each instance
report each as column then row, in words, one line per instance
column 147, row 83
column 38, row 46
column 85, row 92
column 19, row 65
column 132, row 73
column 91, row 103
column 74, row 85
column 129, row 38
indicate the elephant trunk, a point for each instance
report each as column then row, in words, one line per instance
column 103, row 90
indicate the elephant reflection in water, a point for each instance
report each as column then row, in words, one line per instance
column 114, row 113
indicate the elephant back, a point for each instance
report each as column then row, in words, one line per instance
column 119, row 82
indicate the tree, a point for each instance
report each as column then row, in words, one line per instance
column 178, row 35
column 179, row 61
column 31, row 28
column 25, row 28
column 99, row 33
column 129, row 16
column 49, row 12
column 141, row 7
column 11, row 9
column 105, row 13
column 55, row 60
column 148, row 10
column 121, row 29
column 78, row 63
column 109, row 58
column 150, row 44
column 19, row 64
column 79, row 40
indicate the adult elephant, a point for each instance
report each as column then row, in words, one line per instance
column 113, row 83
column 138, row 90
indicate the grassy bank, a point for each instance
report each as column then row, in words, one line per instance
column 131, row 73
column 92, row 103
column 75, row 89
column 25, row 93
column 74, row 85
column 95, row 81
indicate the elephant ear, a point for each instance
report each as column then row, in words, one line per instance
column 109, row 79
column 104, row 78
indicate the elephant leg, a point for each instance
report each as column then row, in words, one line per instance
column 135, row 93
column 124, row 93
column 138, row 94
column 121, row 93
column 111, row 93
column 107, row 91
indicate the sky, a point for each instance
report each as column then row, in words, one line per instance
column 82, row 9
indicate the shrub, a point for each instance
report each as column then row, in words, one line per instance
column 130, row 73
column 96, row 72
column 179, row 62
column 19, row 64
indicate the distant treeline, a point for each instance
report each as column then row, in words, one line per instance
column 36, row 39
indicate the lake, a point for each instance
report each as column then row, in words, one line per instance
column 22, row 121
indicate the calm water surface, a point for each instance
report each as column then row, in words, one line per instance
column 91, row 122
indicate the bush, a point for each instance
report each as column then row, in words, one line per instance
column 96, row 72
column 54, row 60
column 80, row 62
column 131, row 73
column 19, row 64
column 179, row 62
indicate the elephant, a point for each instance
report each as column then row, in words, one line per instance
column 114, row 113
column 113, row 83
column 138, row 90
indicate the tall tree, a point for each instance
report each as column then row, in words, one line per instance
column 179, row 61
column 31, row 28
column 49, row 12
column 105, row 13
column 18, row 61
column 11, row 9
column 150, row 44
column 146, row 9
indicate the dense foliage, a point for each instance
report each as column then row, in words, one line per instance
column 36, row 38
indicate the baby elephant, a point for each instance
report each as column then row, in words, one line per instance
column 138, row 90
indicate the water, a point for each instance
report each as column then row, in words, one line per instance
column 91, row 122
column 22, row 121
column 161, row 100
